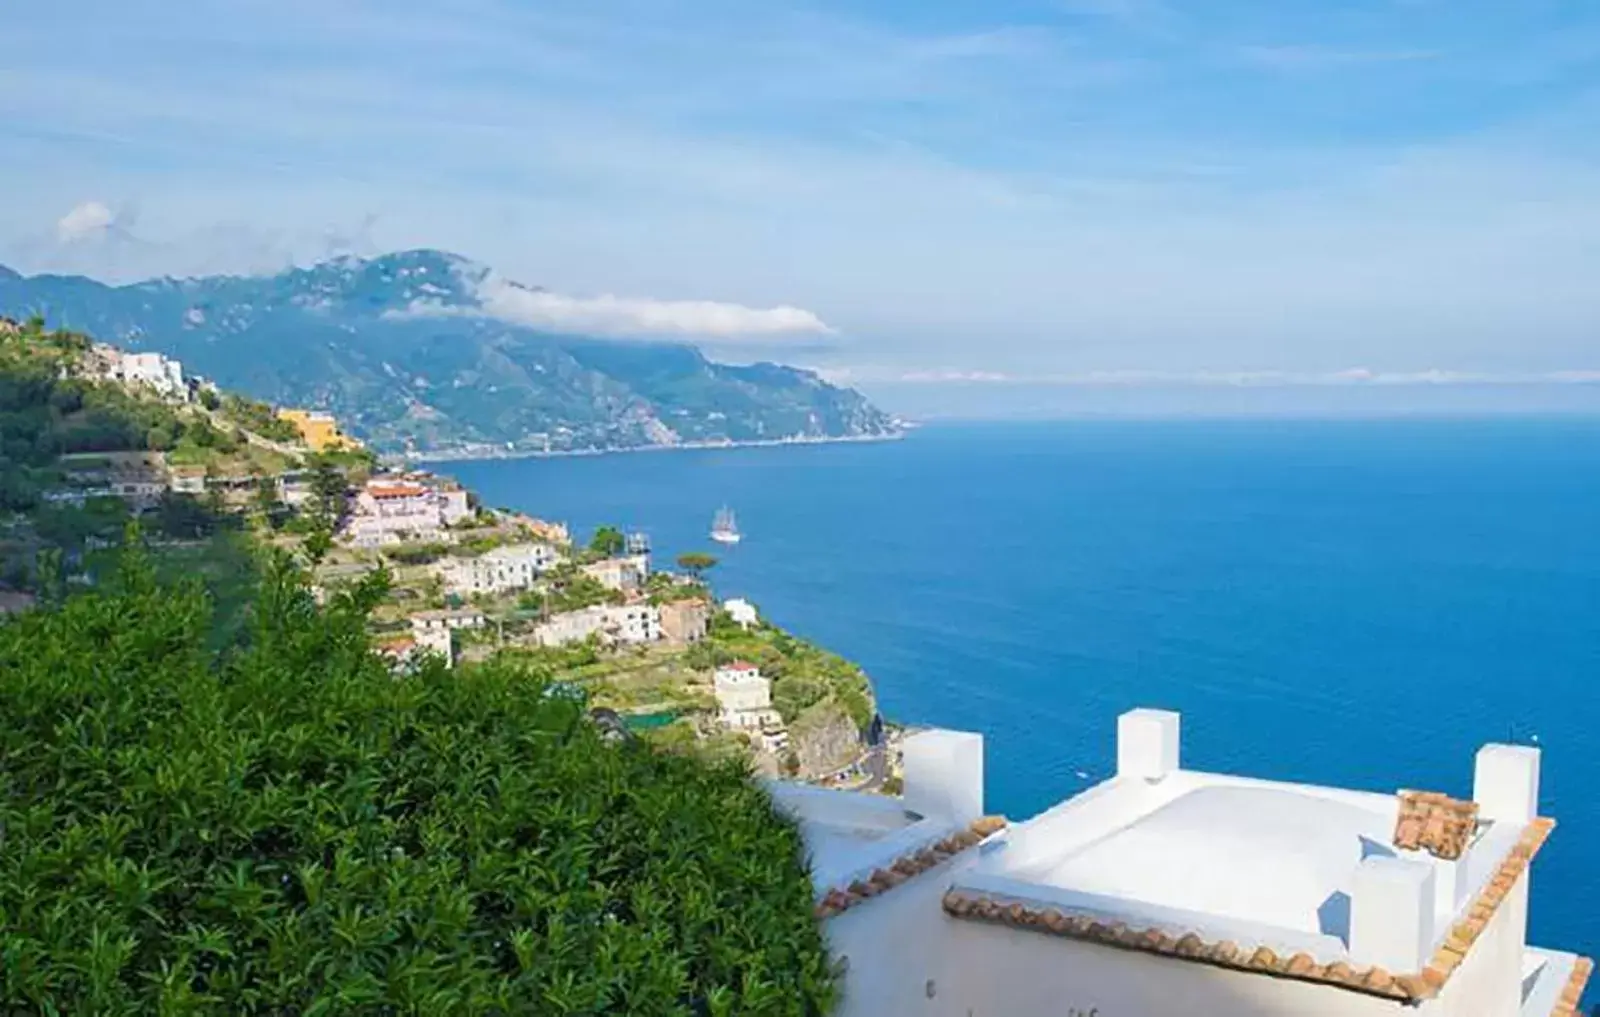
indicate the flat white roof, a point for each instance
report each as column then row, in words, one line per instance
column 1231, row 858
column 849, row 834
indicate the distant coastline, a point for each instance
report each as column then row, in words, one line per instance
column 480, row 454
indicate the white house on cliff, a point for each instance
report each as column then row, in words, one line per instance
column 1168, row 891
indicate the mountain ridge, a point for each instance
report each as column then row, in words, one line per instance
column 403, row 349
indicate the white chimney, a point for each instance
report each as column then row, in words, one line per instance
column 1147, row 744
column 1505, row 783
column 944, row 774
column 1391, row 913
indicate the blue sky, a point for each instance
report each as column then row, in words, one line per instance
column 1076, row 192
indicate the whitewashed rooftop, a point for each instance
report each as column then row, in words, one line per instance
column 1387, row 895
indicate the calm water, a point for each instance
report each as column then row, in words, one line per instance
column 1353, row 603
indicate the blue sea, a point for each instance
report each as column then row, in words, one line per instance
column 1359, row 603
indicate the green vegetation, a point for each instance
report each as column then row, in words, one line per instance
column 666, row 588
column 607, row 542
column 804, row 677
column 217, row 799
column 697, row 563
column 192, row 440
column 257, row 416
column 330, row 500
column 45, row 414
column 68, row 528
column 477, row 545
column 416, row 554
column 356, row 463
column 568, row 588
column 48, row 410
column 185, row 517
column 280, row 826
column 653, row 680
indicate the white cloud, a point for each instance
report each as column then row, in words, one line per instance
column 88, row 220
column 631, row 317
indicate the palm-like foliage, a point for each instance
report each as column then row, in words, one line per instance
column 284, row 828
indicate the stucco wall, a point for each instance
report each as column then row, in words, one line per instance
column 1005, row 972
column 894, row 945
column 900, row 944
column 1489, row 981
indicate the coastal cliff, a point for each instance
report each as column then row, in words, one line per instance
column 214, row 479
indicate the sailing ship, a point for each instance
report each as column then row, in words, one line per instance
column 724, row 528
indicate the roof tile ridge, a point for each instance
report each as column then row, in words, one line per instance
column 883, row 879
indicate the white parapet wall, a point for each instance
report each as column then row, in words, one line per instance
column 944, row 775
column 1391, row 913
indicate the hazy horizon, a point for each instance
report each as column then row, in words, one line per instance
column 935, row 403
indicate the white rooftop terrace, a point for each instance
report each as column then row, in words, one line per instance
column 1178, row 865
column 1230, row 858
column 1294, row 867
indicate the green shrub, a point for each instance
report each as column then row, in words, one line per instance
column 260, row 417
column 282, row 827
column 416, row 554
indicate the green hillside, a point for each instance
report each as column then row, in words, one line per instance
column 403, row 351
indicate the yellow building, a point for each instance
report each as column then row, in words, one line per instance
column 318, row 430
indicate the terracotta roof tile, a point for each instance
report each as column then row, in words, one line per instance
column 1572, row 993
column 886, row 878
column 396, row 490
column 1436, row 823
column 1409, row 987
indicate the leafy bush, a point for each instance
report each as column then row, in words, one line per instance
column 607, row 541
column 281, row 827
column 257, row 416
column 572, row 590
column 416, row 554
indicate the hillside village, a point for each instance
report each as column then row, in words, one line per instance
column 96, row 437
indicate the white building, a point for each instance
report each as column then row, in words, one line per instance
column 140, row 492
column 571, row 627
column 162, row 375
column 186, row 480
column 447, row 620
column 1166, row 891
column 613, row 623
column 454, row 505
column 634, row 623
column 745, row 697
column 436, row 639
column 501, row 570
column 742, row 612
column 626, row 574
column 294, row 492
column 390, row 510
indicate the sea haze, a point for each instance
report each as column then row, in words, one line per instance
column 1360, row 603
